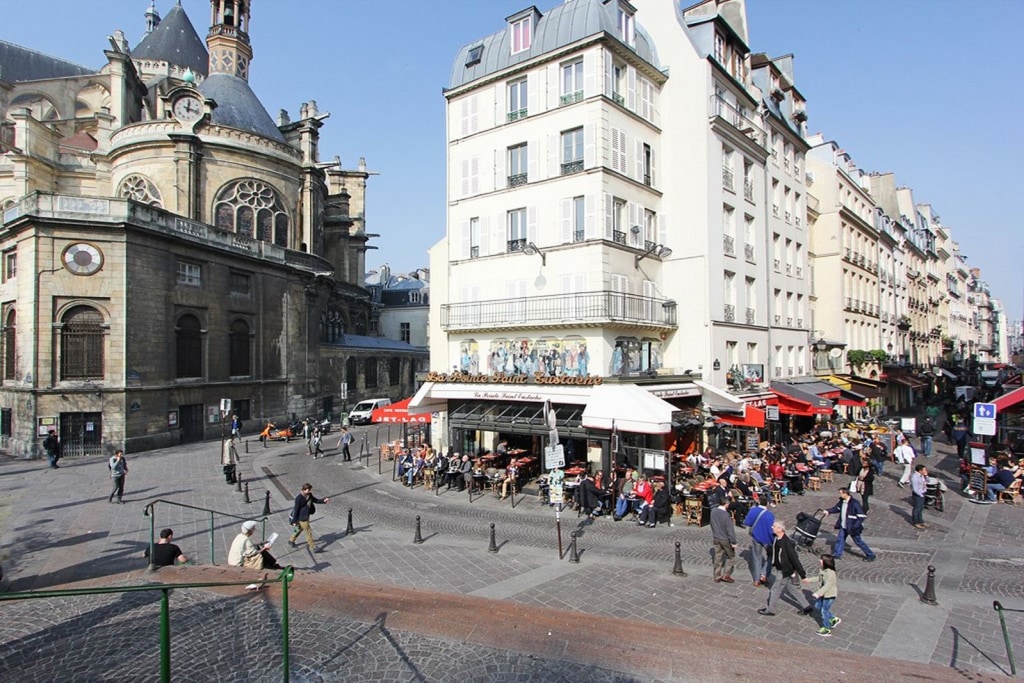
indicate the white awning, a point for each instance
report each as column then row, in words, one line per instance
column 433, row 397
column 422, row 402
column 947, row 373
column 627, row 408
column 716, row 398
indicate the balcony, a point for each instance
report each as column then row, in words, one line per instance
column 618, row 99
column 515, row 115
column 570, row 167
column 727, row 178
column 799, row 322
column 848, row 304
column 618, row 236
column 789, row 269
column 789, row 322
column 800, row 371
column 778, row 319
column 796, row 219
column 789, row 371
column 776, row 264
column 517, row 180
column 722, row 109
column 751, row 316
column 474, row 252
column 730, row 313
column 775, row 210
column 579, row 236
column 748, row 190
column 748, row 252
column 592, row 309
column 729, row 245
column 513, row 246
column 778, row 371
column 789, row 217
column 799, row 271
column 571, row 98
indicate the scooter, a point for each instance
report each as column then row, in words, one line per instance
column 325, row 426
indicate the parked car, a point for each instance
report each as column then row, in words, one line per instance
column 362, row 413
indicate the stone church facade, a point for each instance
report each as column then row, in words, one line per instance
column 166, row 244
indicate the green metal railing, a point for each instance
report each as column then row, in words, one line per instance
column 285, row 577
column 997, row 606
column 150, row 511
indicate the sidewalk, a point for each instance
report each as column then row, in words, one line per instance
column 56, row 527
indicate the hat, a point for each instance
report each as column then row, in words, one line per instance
column 248, row 526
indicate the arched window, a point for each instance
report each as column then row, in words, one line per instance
column 254, row 209
column 239, row 361
column 81, row 344
column 370, row 373
column 10, row 346
column 140, row 189
column 189, row 347
column 350, row 374
column 395, row 371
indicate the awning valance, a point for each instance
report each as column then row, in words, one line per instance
column 851, row 398
column 627, row 408
column 817, row 388
column 839, row 382
column 814, row 405
column 718, row 399
column 907, row 381
column 753, row 419
column 399, row 412
column 1009, row 400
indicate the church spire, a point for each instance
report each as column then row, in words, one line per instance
column 228, row 39
column 152, row 18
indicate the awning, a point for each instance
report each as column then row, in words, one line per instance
column 422, row 402
column 753, row 419
column 679, row 390
column 817, row 388
column 907, row 381
column 839, row 382
column 398, row 412
column 813, row 404
column 627, row 408
column 1009, row 400
column 851, row 398
column 947, row 374
column 865, row 386
column 718, row 399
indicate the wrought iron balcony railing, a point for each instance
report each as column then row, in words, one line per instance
column 570, row 167
column 579, row 235
column 512, row 246
column 728, row 244
column 748, row 190
column 571, row 98
column 516, row 115
column 589, row 308
column 730, row 313
column 748, row 252
column 727, row 178
column 517, row 180
column 618, row 236
column 751, row 316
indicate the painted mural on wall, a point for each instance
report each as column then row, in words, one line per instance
column 547, row 356
column 632, row 356
column 469, row 357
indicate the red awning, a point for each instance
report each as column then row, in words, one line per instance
column 752, row 418
column 907, row 381
column 1009, row 400
column 794, row 401
column 852, row 398
column 399, row 412
column 793, row 406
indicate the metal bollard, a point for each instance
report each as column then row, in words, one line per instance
column 418, row 538
column 349, row 530
column 266, row 503
column 238, row 482
column 246, row 499
column 677, row 569
column 573, row 555
column 247, row 445
column 929, row 588
column 493, row 547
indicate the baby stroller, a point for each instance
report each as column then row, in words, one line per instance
column 807, row 528
column 933, row 497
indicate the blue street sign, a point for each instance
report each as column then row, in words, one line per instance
column 985, row 411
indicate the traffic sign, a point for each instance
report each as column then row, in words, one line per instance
column 985, row 419
column 554, row 457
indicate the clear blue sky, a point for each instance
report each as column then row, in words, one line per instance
column 918, row 87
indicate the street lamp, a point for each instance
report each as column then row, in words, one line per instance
column 532, row 249
column 657, row 250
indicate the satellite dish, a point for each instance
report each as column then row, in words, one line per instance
column 836, row 352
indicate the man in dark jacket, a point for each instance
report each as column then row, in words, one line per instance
column 849, row 523
column 590, row 496
column 786, row 560
column 305, row 506
column 927, row 431
column 51, row 444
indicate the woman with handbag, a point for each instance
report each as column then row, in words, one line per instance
column 866, row 482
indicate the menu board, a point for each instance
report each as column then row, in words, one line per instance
column 979, row 481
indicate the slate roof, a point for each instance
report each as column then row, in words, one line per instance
column 358, row 341
column 559, row 26
column 19, row 64
column 175, row 41
column 238, row 106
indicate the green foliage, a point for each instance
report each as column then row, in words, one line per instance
column 856, row 358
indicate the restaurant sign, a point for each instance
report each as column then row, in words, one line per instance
column 504, row 378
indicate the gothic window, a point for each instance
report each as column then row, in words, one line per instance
column 351, row 370
column 370, row 371
column 10, row 346
column 81, row 344
column 189, row 347
column 252, row 208
column 239, row 349
column 394, row 371
column 140, row 189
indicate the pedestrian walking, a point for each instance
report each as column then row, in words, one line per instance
column 302, row 511
column 850, row 523
column 787, row 561
column 927, row 431
column 316, row 441
column 865, row 482
column 918, row 486
column 51, row 444
column 229, row 461
column 759, row 521
column 960, row 434
column 344, row 441
column 723, row 542
column 825, row 596
column 878, row 453
column 236, row 427
column 118, row 467
column 904, row 455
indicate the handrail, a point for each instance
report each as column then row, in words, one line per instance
column 287, row 574
column 998, row 607
column 150, row 511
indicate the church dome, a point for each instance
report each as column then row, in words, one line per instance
column 176, row 42
column 238, row 106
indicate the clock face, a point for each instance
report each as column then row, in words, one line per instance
column 83, row 259
column 188, row 108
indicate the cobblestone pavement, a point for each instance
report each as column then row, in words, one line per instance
column 56, row 528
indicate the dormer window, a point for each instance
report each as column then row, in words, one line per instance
column 521, row 31
column 625, row 21
column 720, row 48
column 475, row 55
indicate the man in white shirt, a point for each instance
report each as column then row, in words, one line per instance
column 904, row 455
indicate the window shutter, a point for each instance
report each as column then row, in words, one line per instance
column 639, row 165
column 464, row 167
column 591, row 229
column 485, row 235
column 589, row 145
column 474, row 114
column 654, row 183
column 609, row 218
column 499, row 235
column 532, row 160
column 620, row 283
column 531, row 224
column 650, row 289
column 464, row 117
column 498, row 170
column 590, row 72
column 636, row 213
column 609, row 74
column 567, row 221
column 631, row 88
column 474, row 175
column 500, row 103
column 618, row 160
column 661, row 229
column 464, row 254
column 554, row 153
column 554, row 86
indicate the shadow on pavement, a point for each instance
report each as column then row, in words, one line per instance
column 957, row 637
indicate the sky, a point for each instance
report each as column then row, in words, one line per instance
column 916, row 87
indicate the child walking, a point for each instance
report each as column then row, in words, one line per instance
column 826, row 594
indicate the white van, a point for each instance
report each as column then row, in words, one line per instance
column 362, row 413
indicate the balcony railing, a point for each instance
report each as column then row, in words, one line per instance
column 730, row 313
column 778, row 319
column 516, row 115
column 800, row 370
column 789, row 216
column 748, row 252
column 751, row 316
column 799, row 322
column 799, row 271
column 729, row 244
column 745, row 125
column 474, row 252
column 570, row 167
column 748, row 190
column 776, row 264
column 775, row 210
column 778, row 371
column 618, row 99
column 796, row 219
column 604, row 307
column 571, row 98
column 727, row 178
column 789, row 371
column 579, row 235
column 789, row 322
column 517, row 179
column 513, row 246
column 618, row 236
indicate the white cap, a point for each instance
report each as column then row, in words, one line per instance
column 248, row 526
